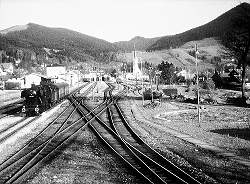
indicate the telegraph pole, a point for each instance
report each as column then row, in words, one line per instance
column 97, row 76
column 197, row 84
column 126, row 82
column 78, row 77
column 142, row 84
column 151, row 85
column 93, row 68
column 157, row 73
column 93, row 94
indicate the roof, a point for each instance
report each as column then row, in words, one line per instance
column 40, row 75
column 234, row 72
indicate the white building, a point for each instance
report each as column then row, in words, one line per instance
column 33, row 78
column 55, row 71
column 186, row 74
column 95, row 76
column 136, row 70
column 137, row 73
column 73, row 77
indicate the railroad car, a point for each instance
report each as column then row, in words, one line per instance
column 60, row 90
column 39, row 98
column 148, row 95
column 170, row 92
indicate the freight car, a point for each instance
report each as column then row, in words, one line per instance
column 39, row 98
column 147, row 94
column 170, row 92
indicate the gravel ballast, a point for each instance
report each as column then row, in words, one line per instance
column 172, row 129
column 83, row 160
column 166, row 126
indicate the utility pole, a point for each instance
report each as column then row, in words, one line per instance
column 157, row 73
column 151, row 81
column 78, row 77
column 94, row 69
column 197, row 84
column 142, row 84
column 96, row 80
column 152, row 95
column 126, row 83
column 93, row 94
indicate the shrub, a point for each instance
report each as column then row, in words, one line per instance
column 208, row 84
column 189, row 82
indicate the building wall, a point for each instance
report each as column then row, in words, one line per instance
column 55, row 71
column 95, row 76
column 186, row 74
column 31, row 79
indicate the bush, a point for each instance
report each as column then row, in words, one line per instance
column 209, row 99
column 191, row 53
column 180, row 79
column 208, row 84
column 189, row 82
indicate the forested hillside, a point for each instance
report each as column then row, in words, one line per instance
column 215, row 28
column 66, row 42
column 33, row 44
column 140, row 43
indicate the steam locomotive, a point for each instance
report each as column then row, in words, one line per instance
column 39, row 98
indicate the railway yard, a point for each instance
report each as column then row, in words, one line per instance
column 102, row 133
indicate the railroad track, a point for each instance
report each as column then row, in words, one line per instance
column 51, row 138
column 168, row 172
column 116, row 133
column 12, row 129
column 85, row 111
column 9, row 109
column 10, row 106
column 118, row 145
column 47, row 143
column 16, row 165
column 16, row 107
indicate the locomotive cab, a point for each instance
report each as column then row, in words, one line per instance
column 32, row 104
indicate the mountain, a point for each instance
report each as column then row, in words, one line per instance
column 37, row 38
column 215, row 28
column 140, row 43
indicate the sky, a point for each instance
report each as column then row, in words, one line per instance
column 115, row 20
